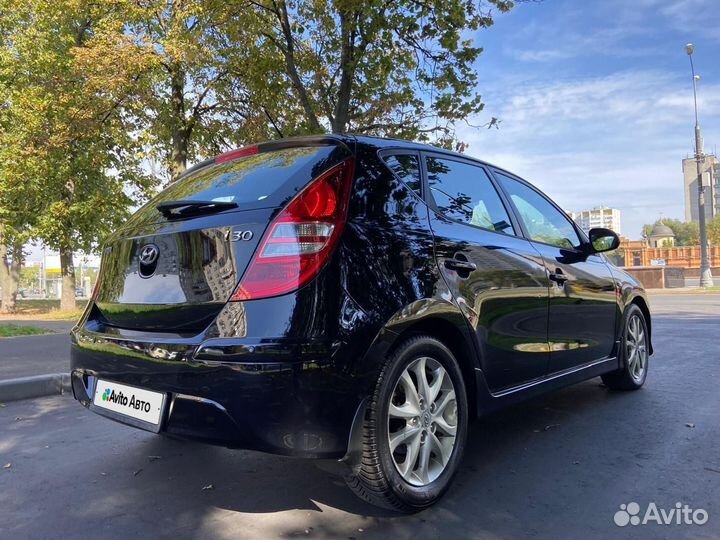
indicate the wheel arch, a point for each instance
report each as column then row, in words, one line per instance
column 447, row 332
column 640, row 302
column 430, row 317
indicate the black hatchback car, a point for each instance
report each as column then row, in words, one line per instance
column 353, row 298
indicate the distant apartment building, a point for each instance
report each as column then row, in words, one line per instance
column 710, row 170
column 602, row 217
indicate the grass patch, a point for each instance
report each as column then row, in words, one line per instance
column 59, row 315
column 45, row 310
column 688, row 290
column 10, row 330
column 31, row 305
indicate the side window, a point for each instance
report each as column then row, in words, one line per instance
column 543, row 221
column 465, row 193
column 407, row 168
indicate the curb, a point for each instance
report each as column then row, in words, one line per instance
column 683, row 291
column 36, row 386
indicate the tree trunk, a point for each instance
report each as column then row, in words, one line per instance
column 7, row 300
column 347, row 73
column 179, row 152
column 15, row 267
column 291, row 68
column 178, row 157
column 67, row 270
column 9, row 276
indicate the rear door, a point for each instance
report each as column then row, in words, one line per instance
column 583, row 301
column 495, row 275
column 174, row 271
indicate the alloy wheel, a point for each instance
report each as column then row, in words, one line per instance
column 422, row 421
column 636, row 351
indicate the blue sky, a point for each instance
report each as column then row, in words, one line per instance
column 595, row 100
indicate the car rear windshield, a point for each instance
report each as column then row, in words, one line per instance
column 264, row 180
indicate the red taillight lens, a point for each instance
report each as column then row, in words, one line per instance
column 300, row 240
column 235, row 154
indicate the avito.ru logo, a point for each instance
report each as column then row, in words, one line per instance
column 681, row 514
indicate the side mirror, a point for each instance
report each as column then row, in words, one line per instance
column 603, row 240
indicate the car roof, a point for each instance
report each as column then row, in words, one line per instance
column 379, row 143
column 371, row 141
column 386, row 142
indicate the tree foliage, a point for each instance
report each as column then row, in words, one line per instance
column 403, row 68
column 686, row 233
column 94, row 94
column 713, row 231
column 68, row 158
column 190, row 93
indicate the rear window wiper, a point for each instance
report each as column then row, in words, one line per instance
column 176, row 209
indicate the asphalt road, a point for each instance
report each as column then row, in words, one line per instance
column 24, row 356
column 556, row 467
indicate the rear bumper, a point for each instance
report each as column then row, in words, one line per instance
column 279, row 396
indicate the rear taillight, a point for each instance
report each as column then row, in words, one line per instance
column 301, row 238
column 236, row 154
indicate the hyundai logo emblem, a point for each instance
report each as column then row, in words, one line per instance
column 148, row 254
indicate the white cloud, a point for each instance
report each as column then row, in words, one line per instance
column 546, row 55
column 606, row 42
column 616, row 140
column 698, row 18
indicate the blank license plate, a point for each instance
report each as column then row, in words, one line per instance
column 129, row 401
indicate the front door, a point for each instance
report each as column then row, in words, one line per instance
column 495, row 276
column 583, row 301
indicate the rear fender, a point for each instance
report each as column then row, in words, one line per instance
column 425, row 316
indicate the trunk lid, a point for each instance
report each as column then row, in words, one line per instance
column 174, row 274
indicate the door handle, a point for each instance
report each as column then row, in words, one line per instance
column 558, row 276
column 457, row 264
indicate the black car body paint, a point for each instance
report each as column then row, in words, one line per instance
column 289, row 374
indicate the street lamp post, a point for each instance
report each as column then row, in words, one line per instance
column 706, row 279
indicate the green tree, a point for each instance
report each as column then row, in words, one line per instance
column 713, row 229
column 403, row 68
column 66, row 141
column 190, row 93
column 216, row 74
column 20, row 201
column 686, row 233
column 29, row 277
column 95, row 92
column 17, row 212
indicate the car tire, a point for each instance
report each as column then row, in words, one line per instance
column 420, row 469
column 634, row 353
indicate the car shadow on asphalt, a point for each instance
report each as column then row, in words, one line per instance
column 561, row 462
column 252, row 482
column 516, row 462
